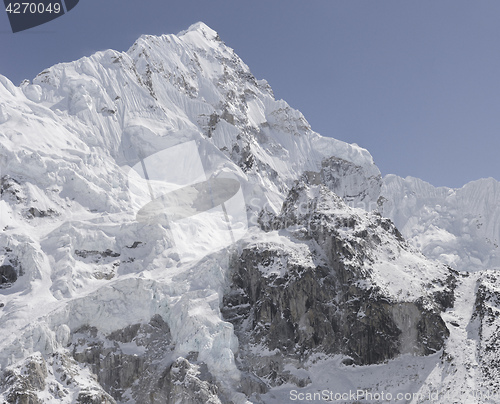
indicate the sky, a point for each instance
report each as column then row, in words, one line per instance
column 417, row 83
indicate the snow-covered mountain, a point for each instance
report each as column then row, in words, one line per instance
column 460, row 227
column 291, row 280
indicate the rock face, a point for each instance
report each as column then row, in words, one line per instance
column 315, row 288
column 139, row 362
column 322, row 290
column 358, row 186
column 485, row 328
column 25, row 385
column 57, row 376
column 8, row 275
column 186, row 383
column 310, row 309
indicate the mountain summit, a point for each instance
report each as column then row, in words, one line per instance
column 172, row 233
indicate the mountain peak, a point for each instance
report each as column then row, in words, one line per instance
column 198, row 35
column 297, row 272
column 202, row 28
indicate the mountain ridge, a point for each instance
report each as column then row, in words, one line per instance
column 83, row 279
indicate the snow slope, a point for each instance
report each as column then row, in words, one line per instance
column 79, row 272
column 459, row 227
column 68, row 141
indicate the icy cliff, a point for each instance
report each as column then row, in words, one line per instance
column 295, row 273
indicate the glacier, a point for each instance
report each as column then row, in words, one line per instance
column 87, row 288
column 459, row 227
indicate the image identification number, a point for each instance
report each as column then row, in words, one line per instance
column 33, row 8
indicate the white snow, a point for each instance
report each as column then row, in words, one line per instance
column 459, row 227
column 74, row 138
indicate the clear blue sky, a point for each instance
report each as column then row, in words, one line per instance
column 417, row 83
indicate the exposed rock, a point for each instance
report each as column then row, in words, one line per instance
column 23, row 397
column 446, row 297
column 485, row 322
column 187, row 383
column 106, row 261
column 97, row 255
column 323, row 297
column 11, row 269
column 358, row 186
column 317, row 286
column 127, row 359
column 135, row 244
column 24, row 384
column 137, row 362
column 8, row 274
column 93, row 397
column 310, row 308
column 11, row 188
column 34, row 212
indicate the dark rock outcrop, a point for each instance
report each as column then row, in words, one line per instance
column 354, row 184
column 485, row 323
column 138, row 361
column 123, row 358
column 8, row 274
column 188, row 383
column 11, row 189
column 326, row 300
column 25, row 385
column 310, row 309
